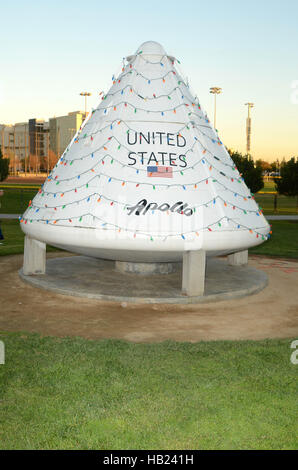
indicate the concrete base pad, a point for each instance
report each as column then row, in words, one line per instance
column 94, row 278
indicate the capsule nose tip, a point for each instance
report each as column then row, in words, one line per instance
column 151, row 48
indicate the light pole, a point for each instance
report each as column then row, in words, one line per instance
column 248, row 127
column 215, row 91
column 85, row 93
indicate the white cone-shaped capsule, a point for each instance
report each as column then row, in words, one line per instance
column 146, row 177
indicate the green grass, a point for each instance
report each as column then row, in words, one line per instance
column 268, row 186
column 285, row 205
column 15, row 201
column 73, row 393
column 283, row 241
column 13, row 242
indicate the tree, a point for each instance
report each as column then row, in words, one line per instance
column 275, row 166
column 52, row 159
column 34, row 163
column 251, row 173
column 14, row 161
column 4, row 167
column 287, row 184
column 266, row 166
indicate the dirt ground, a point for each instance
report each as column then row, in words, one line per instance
column 273, row 313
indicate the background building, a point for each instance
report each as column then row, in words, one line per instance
column 38, row 130
column 5, row 130
column 36, row 145
column 21, row 139
column 62, row 130
column 14, row 141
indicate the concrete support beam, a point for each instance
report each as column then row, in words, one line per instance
column 34, row 257
column 193, row 273
column 239, row 258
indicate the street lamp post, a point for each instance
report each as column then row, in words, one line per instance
column 85, row 94
column 215, row 91
column 248, row 127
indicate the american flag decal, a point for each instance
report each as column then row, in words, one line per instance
column 160, row 171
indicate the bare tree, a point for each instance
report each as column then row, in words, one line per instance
column 52, row 159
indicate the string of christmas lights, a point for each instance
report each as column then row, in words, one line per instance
column 203, row 159
column 112, row 159
column 180, row 82
column 188, row 184
column 154, row 96
column 159, row 62
column 197, row 231
column 130, row 129
column 126, row 104
column 147, row 79
column 137, row 184
column 99, row 197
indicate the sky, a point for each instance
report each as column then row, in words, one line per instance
column 51, row 51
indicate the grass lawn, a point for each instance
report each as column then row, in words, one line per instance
column 15, row 201
column 284, row 240
column 13, row 242
column 268, row 186
column 73, row 393
column 285, row 205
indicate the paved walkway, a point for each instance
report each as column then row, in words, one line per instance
column 9, row 216
column 282, row 217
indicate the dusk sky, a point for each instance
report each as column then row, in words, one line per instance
column 51, row 52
